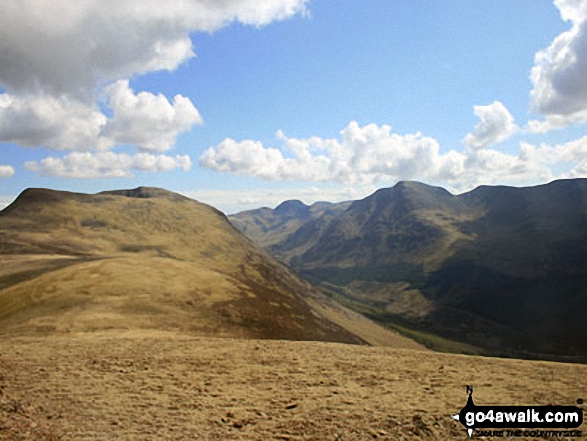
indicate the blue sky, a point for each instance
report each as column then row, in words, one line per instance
column 242, row 104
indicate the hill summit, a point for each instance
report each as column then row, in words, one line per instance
column 144, row 258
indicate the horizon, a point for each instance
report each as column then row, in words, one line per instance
column 253, row 104
column 2, row 207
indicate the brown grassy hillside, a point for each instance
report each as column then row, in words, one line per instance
column 146, row 259
column 162, row 386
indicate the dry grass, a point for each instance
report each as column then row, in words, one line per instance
column 110, row 313
column 155, row 385
column 157, row 260
column 128, row 292
column 83, row 263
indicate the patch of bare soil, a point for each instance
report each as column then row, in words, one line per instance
column 155, row 385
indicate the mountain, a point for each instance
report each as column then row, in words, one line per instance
column 290, row 228
column 498, row 268
column 149, row 259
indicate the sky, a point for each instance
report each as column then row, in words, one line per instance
column 242, row 104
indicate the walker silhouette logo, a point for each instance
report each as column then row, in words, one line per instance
column 501, row 421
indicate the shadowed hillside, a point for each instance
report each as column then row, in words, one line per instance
column 147, row 259
column 498, row 268
column 290, row 228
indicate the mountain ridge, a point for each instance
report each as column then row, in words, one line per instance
column 497, row 267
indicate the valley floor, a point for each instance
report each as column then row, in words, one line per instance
column 151, row 386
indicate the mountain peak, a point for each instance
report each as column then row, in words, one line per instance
column 420, row 187
column 407, row 196
column 33, row 196
column 145, row 193
column 411, row 184
column 292, row 207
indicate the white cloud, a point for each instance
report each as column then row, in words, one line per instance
column 59, row 58
column 572, row 10
column 372, row 155
column 88, row 165
column 366, row 155
column 375, row 154
column 251, row 158
column 489, row 166
column 555, row 122
column 148, row 121
column 530, row 166
column 64, row 46
column 571, row 152
column 560, row 73
column 497, row 124
column 61, row 123
column 6, row 171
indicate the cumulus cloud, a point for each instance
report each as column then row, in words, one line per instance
column 87, row 165
column 365, row 155
column 555, row 122
column 491, row 166
column 59, row 59
column 251, row 158
column 532, row 164
column 147, row 121
column 105, row 40
column 6, row 171
column 559, row 74
column 497, row 124
column 373, row 155
column 59, row 123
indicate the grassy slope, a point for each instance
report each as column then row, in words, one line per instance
column 142, row 385
column 151, row 260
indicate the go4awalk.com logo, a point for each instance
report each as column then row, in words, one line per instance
column 513, row 421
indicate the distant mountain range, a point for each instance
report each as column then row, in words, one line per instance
column 149, row 259
column 498, row 270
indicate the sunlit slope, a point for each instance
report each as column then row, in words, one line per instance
column 144, row 259
column 151, row 385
